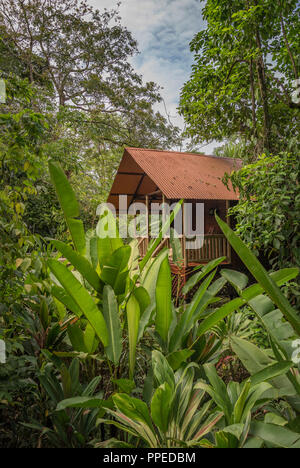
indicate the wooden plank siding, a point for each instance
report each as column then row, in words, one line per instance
column 214, row 246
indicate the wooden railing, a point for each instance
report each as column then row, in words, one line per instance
column 214, row 246
column 143, row 245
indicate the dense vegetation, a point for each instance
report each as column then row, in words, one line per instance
column 243, row 84
column 99, row 353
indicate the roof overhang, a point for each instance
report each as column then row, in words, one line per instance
column 175, row 175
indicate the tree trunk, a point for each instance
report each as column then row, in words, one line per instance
column 253, row 102
column 292, row 58
column 260, row 66
column 62, row 100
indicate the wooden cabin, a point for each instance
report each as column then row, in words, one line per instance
column 148, row 176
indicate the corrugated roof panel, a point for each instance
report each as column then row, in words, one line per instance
column 180, row 175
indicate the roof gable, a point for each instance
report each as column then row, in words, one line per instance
column 178, row 175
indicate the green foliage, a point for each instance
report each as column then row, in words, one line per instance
column 111, row 317
column 242, row 81
column 69, row 205
column 111, row 289
column 174, row 418
column 267, row 213
column 69, row 428
column 236, row 402
column 106, row 310
column 275, row 435
column 21, row 134
column 83, row 315
column 261, row 276
column 96, row 101
column 93, row 75
column 163, row 293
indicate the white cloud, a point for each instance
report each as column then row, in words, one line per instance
column 163, row 30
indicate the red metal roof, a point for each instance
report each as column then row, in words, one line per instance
column 177, row 175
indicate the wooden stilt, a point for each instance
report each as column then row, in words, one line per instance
column 147, row 221
column 185, row 256
column 228, row 222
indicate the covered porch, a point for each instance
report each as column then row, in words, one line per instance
column 213, row 245
column 164, row 177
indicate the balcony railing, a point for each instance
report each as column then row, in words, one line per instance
column 214, row 246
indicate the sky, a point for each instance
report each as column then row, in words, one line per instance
column 163, row 30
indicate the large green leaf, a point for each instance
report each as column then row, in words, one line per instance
column 270, row 372
column 247, row 400
column 273, row 321
column 81, row 264
column 133, row 408
column 111, row 317
column 76, row 229
column 162, row 232
column 81, row 402
column 193, row 280
column 69, row 205
column 282, row 334
column 108, row 237
column 133, row 318
column 61, row 295
column 190, row 315
column 90, row 339
column 256, row 360
column 65, row 192
column 76, row 337
column 149, row 279
column 236, row 278
column 124, row 385
column 192, row 309
column 106, row 247
column 239, row 406
column 220, row 395
column 146, row 308
column 177, row 254
column 279, row 277
column 219, row 315
column 261, row 275
column 192, row 417
column 92, row 249
column 142, row 297
column 161, row 406
column 163, row 300
column 162, row 371
column 176, row 358
column 135, row 418
column 183, row 391
column 115, row 271
column 206, row 427
column 82, row 298
column 276, row 435
column 145, row 320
